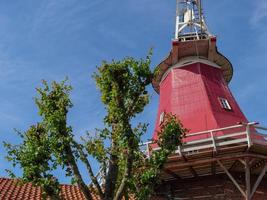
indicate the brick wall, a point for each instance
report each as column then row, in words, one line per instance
column 217, row 187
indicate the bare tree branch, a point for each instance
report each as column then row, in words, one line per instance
column 91, row 173
column 77, row 174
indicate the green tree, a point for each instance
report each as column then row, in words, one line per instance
column 125, row 169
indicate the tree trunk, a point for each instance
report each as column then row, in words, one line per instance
column 112, row 175
column 129, row 164
column 85, row 190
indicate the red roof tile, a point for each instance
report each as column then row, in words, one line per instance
column 11, row 190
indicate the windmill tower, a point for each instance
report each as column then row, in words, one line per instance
column 224, row 156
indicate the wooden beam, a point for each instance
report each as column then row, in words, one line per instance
column 247, row 171
column 193, row 172
column 242, row 161
column 213, row 168
column 174, row 175
column 251, row 162
column 232, row 178
column 204, row 161
column 257, row 183
column 233, row 165
column 213, row 164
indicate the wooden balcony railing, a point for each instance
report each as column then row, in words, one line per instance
column 216, row 139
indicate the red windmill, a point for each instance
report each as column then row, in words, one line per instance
column 223, row 151
column 193, row 80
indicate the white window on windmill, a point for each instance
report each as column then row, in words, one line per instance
column 225, row 104
column 161, row 117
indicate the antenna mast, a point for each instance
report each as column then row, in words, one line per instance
column 190, row 23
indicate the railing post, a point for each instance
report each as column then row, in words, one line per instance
column 247, row 172
column 248, row 135
column 213, row 141
column 147, row 149
column 179, row 150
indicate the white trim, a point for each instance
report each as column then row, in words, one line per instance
column 212, row 142
column 189, row 61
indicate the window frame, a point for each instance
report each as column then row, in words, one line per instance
column 225, row 104
column 161, row 117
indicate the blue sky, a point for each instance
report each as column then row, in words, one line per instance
column 51, row 39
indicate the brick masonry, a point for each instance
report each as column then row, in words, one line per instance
column 218, row 187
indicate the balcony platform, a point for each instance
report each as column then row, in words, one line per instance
column 235, row 149
column 225, row 144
